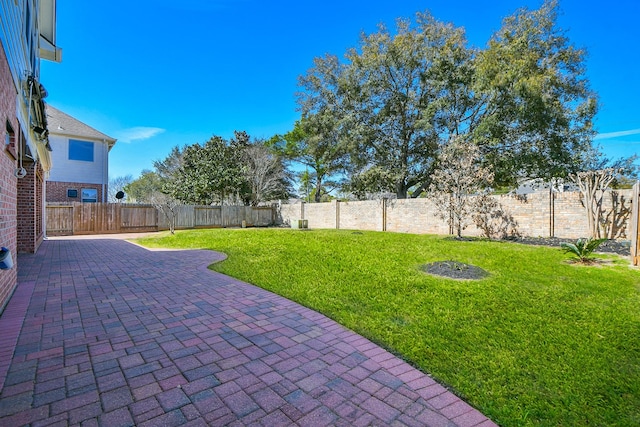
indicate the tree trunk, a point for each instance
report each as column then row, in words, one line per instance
column 401, row 190
column 318, row 196
column 588, row 205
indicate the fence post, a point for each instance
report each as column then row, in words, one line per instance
column 384, row 214
column 337, row 202
column 634, row 223
column 552, row 210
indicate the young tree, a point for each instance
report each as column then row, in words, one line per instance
column 596, row 177
column 492, row 219
column 168, row 206
column 593, row 185
column 458, row 176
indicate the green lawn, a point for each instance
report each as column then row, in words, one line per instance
column 541, row 341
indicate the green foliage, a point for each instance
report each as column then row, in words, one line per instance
column 151, row 184
column 401, row 95
column 542, row 108
column 380, row 101
column 313, row 142
column 142, row 189
column 222, row 171
column 208, row 174
column 538, row 342
column 583, row 248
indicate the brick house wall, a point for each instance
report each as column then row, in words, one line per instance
column 57, row 191
column 8, row 181
column 30, row 208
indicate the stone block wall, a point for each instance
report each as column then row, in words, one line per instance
column 366, row 215
column 536, row 215
column 287, row 212
column 532, row 213
column 414, row 216
column 320, row 215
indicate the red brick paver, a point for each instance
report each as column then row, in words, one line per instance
column 103, row 332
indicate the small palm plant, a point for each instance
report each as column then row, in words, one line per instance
column 583, row 248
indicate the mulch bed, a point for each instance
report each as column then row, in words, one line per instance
column 620, row 247
column 455, row 270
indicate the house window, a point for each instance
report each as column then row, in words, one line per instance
column 10, row 141
column 80, row 150
column 89, row 195
column 72, row 193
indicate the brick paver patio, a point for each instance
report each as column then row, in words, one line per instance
column 101, row 332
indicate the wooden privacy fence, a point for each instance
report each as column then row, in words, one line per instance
column 189, row 216
column 65, row 219
column 99, row 218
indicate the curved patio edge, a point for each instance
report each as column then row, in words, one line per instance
column 121, row 335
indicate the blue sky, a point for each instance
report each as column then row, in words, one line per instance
column 159, row 73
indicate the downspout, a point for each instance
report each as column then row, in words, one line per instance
column 44, row 207
column 105, row 170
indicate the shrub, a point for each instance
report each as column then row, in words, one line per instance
column 492, row 219
column 582, row 248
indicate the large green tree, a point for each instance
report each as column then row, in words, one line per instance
column 209, row 173
column 167, row 168
column 224, row 171
column 383, row 101
column 538, row 119
column 151, row 183
column 400, row 97
column 142, row 189
column 314, row 143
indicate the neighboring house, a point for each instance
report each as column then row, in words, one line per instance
column 537, row 185
column 27, row 34
column 80, row 157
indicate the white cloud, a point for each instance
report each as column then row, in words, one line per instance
column 608, row 135
column 137, row 133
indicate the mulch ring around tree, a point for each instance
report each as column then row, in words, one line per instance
column 455, row 270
